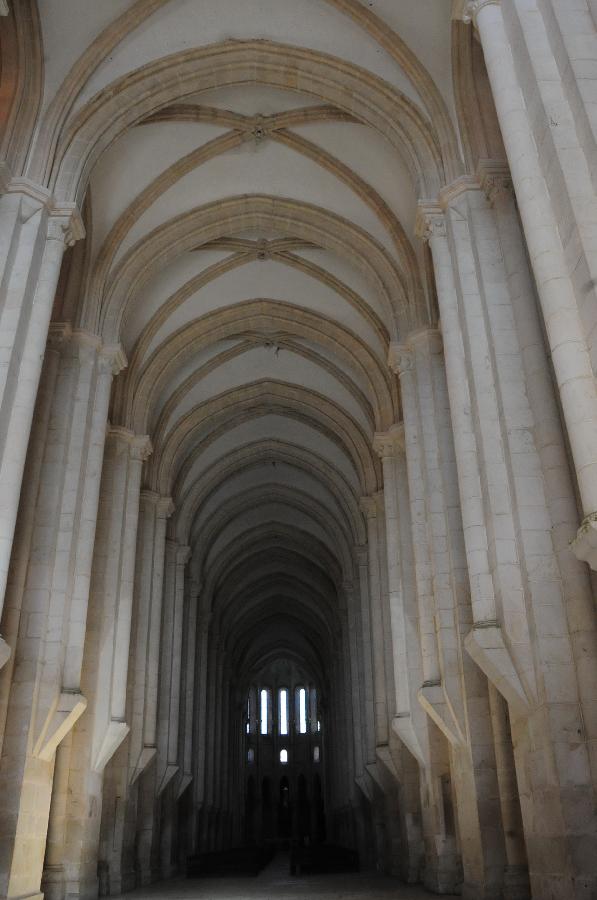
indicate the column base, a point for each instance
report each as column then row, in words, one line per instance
column 584, row 545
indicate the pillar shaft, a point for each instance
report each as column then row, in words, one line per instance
column 567, row 340
column 34, row 232
column 45, row 699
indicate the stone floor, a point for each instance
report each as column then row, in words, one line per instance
column 274, row 883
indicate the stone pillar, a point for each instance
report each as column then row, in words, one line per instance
column 149, row 582
column 365, row 641
column 9, row 624
column 45, row 699
column 516, row 876
column 531, row 600
column 369, row 506
column 98, row 734
column 200, row 724
column 458, row 702
column 564, row 328
column 118, row 844
column 188, row 709
column 170, row 692
column 34, row 231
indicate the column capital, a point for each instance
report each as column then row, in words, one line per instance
column 369, row 504
column 495, row 179
column 430, row 221
column 65, row 222
column 468, row 10
column 140, row 446
column 114, row 357
column 164, row 505
column 400, row 358
column 389, row 444
column 183, row 554
column 59, row 333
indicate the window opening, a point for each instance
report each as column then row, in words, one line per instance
column 302, row 711
column 315, row 754
column 264, row 697
column 251, row 755
column 283, row 721
column 283, row 757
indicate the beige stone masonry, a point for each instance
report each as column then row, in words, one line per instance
column 34, row 232
column 46, row 699
column 566, row 334
column 517, row 499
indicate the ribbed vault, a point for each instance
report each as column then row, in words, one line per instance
column 249, row 192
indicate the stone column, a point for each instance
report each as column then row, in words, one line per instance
column 458, row 703
column 34, row 231
column 365, row 640
column 390, row 446
column 189, row 678
column 567, row 341
column 369, row 507
column 98, row 734
column 149, row 582
column 9, row 624
column 170, row 692
column 516, row 876
column 532, row 605
column 46, row 699
column 200, row 727
column 409, row 722
column 121, row 779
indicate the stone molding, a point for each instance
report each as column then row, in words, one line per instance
column 584, row 545
column 65, row 221
column 468, row 10
column 59, row 333
column 400, row 358
column 115, row 357
column 495, row 179
column 430, row 221
column 430, row 336
column 4, row 10
column 183, row 554
column 67, row 708
column 368, row 506
column 455, row 189
column 389, row 444
column 485, row 644
column 140, row 446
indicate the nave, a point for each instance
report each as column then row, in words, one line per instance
column 298, row 444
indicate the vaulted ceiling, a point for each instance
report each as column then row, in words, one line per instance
column 250, row 173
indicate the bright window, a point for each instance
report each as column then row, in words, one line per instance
column 248, row 715
column 283, row 720
column 283, row 757
column 316, row 754
column 303, row 711
column 264, row 698
column 251, row 755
